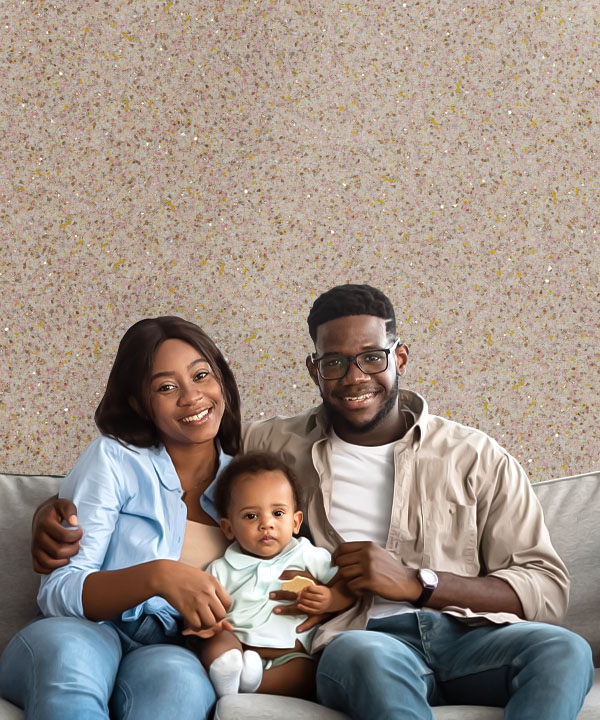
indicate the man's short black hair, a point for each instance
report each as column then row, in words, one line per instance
column 345, row 300
column 251, row 463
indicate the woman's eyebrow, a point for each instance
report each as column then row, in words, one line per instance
column 168, row 373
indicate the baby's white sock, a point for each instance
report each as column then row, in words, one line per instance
column 225, row 672
column 252, row 672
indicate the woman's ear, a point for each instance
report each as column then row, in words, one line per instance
column 135, row 406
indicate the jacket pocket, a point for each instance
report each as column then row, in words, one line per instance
column 450, row 541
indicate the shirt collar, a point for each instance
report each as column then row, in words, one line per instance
column 207, row 499
column 239, row 559
column 165, row 470
column 167, row 475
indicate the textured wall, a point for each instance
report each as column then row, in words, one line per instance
column 228, row 161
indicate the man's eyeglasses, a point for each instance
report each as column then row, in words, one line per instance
column 371, row 362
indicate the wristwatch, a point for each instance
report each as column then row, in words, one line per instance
column 429, row 581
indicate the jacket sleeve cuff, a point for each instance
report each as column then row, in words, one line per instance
column 544, row 598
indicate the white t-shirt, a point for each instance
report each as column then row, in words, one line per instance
column 361, row 501
column 363, row 490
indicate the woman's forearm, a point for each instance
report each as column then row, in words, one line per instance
column 197, row 595
column 108, row 593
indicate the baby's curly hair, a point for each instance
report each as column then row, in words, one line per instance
column 251, row 463
column 345, row 300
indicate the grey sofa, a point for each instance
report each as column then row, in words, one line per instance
column 571, row 506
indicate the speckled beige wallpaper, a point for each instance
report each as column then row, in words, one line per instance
column 228, row 161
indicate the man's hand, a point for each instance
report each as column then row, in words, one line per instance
column 52, row 543
column 368, row 568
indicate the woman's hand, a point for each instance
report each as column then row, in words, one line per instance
column 198, row 596
column 55, row 535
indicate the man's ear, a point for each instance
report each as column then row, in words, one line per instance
column 226, row 528
column 401, row 357
column 312, row 369
column 298, row 518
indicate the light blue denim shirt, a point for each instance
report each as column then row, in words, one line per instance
column 207, row 499
column 129, row 503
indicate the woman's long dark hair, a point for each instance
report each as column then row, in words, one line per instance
column 129, row 381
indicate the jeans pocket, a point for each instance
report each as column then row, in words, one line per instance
column 146, row 630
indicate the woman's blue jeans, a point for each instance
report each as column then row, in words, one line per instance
column 402, row 665
column 69, row 668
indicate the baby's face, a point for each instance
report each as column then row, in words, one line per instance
column 262, row 515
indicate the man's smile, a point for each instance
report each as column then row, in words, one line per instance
column 357, row 397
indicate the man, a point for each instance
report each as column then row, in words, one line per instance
column 435, row 528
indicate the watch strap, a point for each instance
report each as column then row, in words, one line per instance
column 423, row 597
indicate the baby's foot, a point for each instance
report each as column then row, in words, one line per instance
column 252, row 672
column 225, row 672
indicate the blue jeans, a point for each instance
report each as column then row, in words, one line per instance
column 70, row 668
column 402, row 665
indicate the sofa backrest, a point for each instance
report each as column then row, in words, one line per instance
column 19, row 496
column 570, row 507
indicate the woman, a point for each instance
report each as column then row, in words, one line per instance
column 170, row 419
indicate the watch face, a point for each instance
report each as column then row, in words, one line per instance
column 428, row 577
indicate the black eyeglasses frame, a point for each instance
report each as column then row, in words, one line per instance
column 354, row 359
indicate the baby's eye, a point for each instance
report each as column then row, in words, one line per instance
column 250, row 516
column 279, row 513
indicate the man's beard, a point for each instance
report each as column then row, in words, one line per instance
column 342, row 423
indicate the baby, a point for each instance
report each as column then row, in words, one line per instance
column 257, row 500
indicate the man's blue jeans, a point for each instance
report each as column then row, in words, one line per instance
column 402, row 665
column 69, row 668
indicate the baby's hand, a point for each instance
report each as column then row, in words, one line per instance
column 293, row 596
column 209, row 632
column 314, row 599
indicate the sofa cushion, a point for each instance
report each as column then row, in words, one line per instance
column 273, row 707
column 19, row 496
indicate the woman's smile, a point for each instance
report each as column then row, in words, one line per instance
column 197, row 417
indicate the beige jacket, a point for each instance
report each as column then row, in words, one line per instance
column 461, row 504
